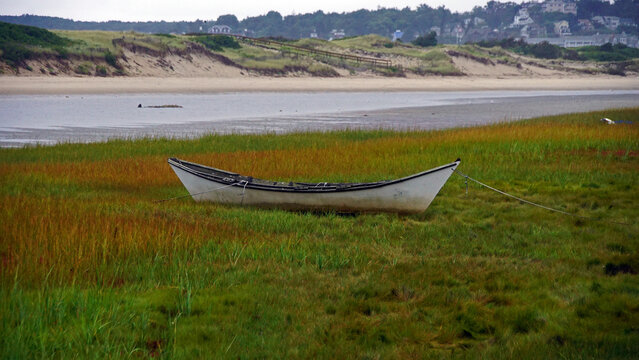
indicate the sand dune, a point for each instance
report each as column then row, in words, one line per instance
column 199, row 72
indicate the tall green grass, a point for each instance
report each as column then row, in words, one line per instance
column 19, row 43
column 93, row 267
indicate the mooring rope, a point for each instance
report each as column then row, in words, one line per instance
column 532, row 203
column 243, row 190
column 203, row 192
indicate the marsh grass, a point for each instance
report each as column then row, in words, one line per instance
column 92, row 267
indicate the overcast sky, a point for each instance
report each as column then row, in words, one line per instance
column 173, row 10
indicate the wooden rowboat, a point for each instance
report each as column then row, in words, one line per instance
column 411, row 194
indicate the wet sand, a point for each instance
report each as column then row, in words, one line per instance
column 85, row 85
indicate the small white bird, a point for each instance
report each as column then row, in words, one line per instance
column 607, row 121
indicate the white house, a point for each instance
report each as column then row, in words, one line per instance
column 337, row 34
column 562, row 28
column 220, row 29
column 397, row 35
column 597, row 40
column 522, row 18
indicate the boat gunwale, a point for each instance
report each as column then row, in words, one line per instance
column 247, row 182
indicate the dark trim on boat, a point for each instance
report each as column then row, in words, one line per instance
column 248, row 182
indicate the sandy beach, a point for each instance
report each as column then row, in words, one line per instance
column 17, row 85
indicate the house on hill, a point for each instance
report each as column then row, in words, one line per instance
column 397, row 35
column 611, row 22
column 533, row 31
column 220, row 29
column 562, row 28
column 585, row 25
column 522, row 18
column 337, row 34
column 627, row 22
column 564, row 7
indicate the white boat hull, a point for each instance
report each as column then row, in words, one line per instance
column 412, row 194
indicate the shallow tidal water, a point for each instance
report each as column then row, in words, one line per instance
column 49, row 119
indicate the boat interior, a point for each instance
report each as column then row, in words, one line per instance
column 227, row 177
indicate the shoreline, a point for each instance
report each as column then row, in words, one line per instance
column 14, row 85
column 101, row 118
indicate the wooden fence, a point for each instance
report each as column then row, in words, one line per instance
column 310, row 51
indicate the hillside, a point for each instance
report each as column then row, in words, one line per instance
column 30, row 51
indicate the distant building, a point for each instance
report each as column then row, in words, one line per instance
column 337, row 34
column 314, row 35
column 522, row 18
column 552, row 41
column 476, row 21
column 611, row 22
column 533, row 31
column 436, row 29
column 585, row 25
column 578, row 41
column 628, row 40
column 479, row 34
column 562, row 28
column 591, row 40
column 598, row 20
column 458, row 32
column 397, row 35
column 220, row 29
column 627, row 22
column 564, row 7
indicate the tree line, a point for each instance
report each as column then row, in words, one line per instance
column 382, row 21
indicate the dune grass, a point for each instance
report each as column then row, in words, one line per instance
column 92, row 267
column 432, row 60
column 90, row 43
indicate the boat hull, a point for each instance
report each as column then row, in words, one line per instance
column 412, row 194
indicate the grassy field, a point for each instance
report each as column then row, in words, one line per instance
column 93, row 267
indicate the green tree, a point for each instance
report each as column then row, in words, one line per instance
column 228, row 20
column 429, row 39
column 545, row 50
